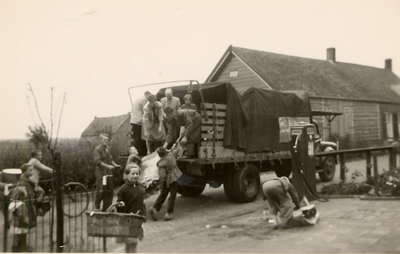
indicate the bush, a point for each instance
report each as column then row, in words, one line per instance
column 76, row 164
column 389, row 183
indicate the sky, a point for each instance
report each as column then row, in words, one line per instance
column 93, row 51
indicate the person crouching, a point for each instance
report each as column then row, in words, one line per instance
column 281, row 195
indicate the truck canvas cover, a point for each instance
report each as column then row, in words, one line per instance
column 252, row 119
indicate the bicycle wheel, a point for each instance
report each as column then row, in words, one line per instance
column 75, row 199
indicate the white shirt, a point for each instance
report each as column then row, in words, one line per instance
column 137, row 110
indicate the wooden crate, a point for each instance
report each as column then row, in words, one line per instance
column 114, row 224
column 213, row 132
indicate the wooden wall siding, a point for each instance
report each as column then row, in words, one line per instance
column 366, row 121
column 246, row 76
column 342, row 124
column 316, row 104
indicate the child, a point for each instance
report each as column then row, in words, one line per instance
column 132, row 159
column 131, row 197
column 22, row 209
column 38, row 168
column 169, row 173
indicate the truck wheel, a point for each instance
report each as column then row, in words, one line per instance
column 228, row 187
column 191, row 191
column 246, row 183
column 328, row 169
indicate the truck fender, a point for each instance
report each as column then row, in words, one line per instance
column 329, row 149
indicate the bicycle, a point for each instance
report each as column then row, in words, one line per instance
column 75, row 199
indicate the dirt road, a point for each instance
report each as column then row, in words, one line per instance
column 212, row 207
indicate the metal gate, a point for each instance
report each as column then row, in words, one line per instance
column 62, row 227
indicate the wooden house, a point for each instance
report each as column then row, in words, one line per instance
column 118, row 127
column 366, row 96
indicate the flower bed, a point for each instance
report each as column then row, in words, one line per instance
column 388, row 186
column 346, row 189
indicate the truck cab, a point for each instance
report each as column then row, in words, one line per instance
column 325, row 166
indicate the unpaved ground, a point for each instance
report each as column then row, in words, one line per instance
column 212, row 210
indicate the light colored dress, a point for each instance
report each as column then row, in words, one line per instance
column 152, row 117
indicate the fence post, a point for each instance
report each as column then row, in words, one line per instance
column 369, row 166
column 342, row 167
column 392, row 158
column 376, row 177
column 59, row 202
column 6, row 204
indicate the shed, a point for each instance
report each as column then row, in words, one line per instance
column 365, row 95
column 118, row 127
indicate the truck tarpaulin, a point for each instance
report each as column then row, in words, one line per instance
column 264, row 107
column 252, row 119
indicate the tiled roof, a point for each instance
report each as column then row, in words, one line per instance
column 99, row 124
column 322, row 78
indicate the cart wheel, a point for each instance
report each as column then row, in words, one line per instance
column 246, row 183
column 191, row 191
column 328, row 167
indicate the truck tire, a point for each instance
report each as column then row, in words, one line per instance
column 246, row 183
column 328, row 169
column 191, row 191
column 228, row 187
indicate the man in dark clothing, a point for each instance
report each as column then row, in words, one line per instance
column 104, row 173
column 191, row 136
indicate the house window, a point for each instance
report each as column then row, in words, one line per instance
column 389, row 124
column 234, row 74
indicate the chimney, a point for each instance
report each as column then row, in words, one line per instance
column 330, row 55
column 388, row 64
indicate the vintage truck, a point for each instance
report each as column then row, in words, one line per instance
column 243, row 135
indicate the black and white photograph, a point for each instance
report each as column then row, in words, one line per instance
column 174, row 126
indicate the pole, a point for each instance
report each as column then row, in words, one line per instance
column 104, row 244
column 369, row 166
column 59, row 207
column 342, row 167
column 376, row 177
column 5, row 210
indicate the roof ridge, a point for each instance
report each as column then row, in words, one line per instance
column 306, row 58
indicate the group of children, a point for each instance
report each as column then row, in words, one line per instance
column 27, row 201
column 131, row 195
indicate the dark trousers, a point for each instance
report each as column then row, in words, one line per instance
column 103, row 193
column 172, row 190
column 130, row 247
column 21, row 243
column 138, row 142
